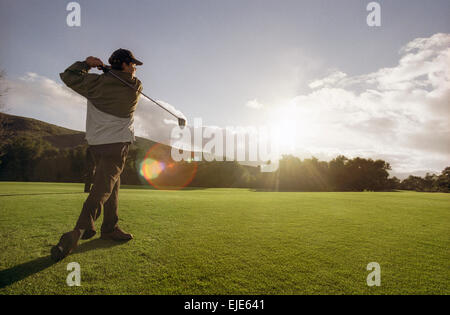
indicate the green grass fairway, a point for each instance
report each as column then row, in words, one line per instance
column 229, row 241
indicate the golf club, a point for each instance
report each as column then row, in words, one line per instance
column 106, row 69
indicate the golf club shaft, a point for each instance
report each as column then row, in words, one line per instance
column 106, row 70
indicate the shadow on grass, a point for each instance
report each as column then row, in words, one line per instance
column 40, row 194
column 147, row 187
column 96, row 244
column 22, row 271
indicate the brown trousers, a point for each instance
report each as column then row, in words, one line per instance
column 109, row 163
column 89, row 171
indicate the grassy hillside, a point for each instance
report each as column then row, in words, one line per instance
column 42, row 152
column 34, row 150
column 59, row 137
column 229, row 241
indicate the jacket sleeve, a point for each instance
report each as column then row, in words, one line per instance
column 78, row 79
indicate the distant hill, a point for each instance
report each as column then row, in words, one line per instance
column 40, row 151
column 59, row 137
column 33, row 150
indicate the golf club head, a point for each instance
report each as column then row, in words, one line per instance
column 181, row 122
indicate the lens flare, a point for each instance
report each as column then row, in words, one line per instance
column 162, row 172
column 151, row 168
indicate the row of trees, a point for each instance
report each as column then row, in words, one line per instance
column 31, row 159
column 340, row 174
column 429, row 183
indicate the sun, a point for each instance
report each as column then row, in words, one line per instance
column 287, row 126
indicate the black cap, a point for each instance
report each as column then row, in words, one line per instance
column 123, row 55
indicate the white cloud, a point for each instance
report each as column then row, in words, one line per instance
column 155, row 123
column 36, row 96
column 402, row 113
column 254, row 104
column 332, row 79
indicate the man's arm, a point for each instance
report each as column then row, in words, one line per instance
column 77, row 77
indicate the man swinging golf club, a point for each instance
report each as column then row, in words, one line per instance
column 109, row 132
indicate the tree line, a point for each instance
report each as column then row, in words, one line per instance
column 34, row 159
column 429, row 183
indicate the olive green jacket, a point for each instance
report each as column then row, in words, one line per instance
column 105, row 92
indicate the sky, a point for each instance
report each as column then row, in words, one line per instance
column 380, row 92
